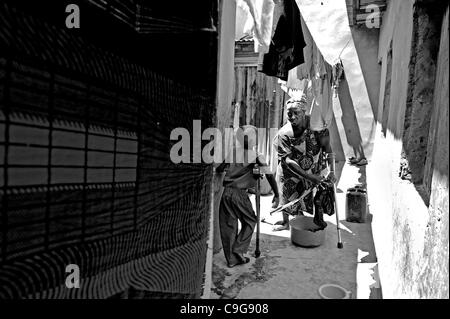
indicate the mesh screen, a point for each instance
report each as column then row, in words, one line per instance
column 85, row 174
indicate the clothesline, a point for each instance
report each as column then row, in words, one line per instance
column 295, row 59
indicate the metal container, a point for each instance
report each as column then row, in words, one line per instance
column 356, row 205
column 305, row 233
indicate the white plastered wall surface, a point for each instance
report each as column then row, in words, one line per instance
column 400, row 215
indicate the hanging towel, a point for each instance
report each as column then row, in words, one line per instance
column 286, row 48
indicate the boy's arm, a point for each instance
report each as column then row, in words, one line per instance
column 221, row 168
column 260, row 160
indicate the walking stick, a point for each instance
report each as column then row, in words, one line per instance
column 331, row 156
column 340, row 245
column 258, row 197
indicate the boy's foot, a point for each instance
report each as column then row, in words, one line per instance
column 282, row 227
column 265, row 221
column 241, row 260
column 280, row 222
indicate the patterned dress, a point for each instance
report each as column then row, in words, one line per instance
column 307, row 151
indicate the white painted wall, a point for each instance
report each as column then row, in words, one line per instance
column 401, row 219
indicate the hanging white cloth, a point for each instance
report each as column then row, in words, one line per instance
column 256, row 15
column 302, row 71
column 244, row 21
column 336, row 43
column 321, row 113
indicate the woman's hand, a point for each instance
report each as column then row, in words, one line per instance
column 275, row 201
column 331, row 178
column 316, row 180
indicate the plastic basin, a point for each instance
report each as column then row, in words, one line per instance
column 330, row 291
column 305, row 233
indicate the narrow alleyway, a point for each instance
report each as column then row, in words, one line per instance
column 285, row 271
column 120, row 133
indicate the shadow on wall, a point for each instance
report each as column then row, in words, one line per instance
column 339, row 166
column 336, row 142
column 349, row 120
column 366, row 44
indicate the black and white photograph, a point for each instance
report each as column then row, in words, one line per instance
column 225, row 154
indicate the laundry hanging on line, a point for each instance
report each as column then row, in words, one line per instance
column 286, row 48
column 254, row 17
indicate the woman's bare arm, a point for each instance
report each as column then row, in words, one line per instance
column 293, row 165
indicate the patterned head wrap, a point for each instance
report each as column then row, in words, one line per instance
column 300, row 103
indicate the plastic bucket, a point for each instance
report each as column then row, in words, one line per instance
column 356, row 205
column 330, row 291
column 305, row 233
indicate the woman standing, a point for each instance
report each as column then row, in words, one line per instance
column 303, row 156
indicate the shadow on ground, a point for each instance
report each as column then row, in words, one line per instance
column 286, row 271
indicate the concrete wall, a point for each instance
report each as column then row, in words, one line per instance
column 225, row 76
column 411, row 238
column 434, row 280
column 419, row 105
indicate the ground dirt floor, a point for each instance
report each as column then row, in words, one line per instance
column 286, row 271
